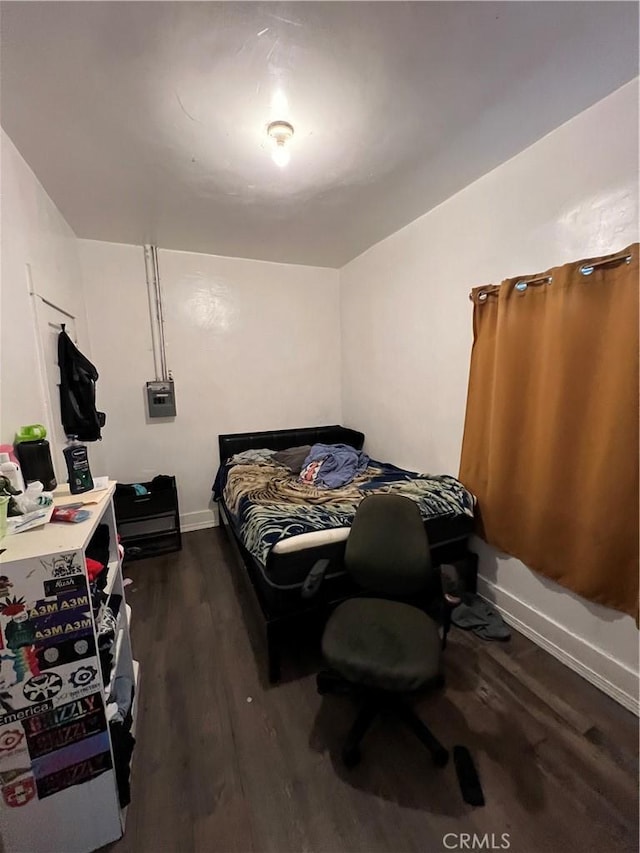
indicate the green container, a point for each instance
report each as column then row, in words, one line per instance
column 31, row 432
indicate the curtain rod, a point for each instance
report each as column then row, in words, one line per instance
column 522, row 285
column 586, row 269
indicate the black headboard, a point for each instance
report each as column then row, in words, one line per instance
column 280, row 439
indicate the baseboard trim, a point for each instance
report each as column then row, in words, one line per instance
column 190, row 521
column 534, row 629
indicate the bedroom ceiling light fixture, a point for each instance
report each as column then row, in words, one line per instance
column 280, row 132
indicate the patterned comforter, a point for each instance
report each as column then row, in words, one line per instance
column 268, row 503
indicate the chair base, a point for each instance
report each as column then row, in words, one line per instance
column 373, row 703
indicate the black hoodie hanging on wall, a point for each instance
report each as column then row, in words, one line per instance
column 78, row 392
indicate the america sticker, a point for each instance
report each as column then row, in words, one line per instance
column 12, row 716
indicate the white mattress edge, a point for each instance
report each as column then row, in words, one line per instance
column 311, row 540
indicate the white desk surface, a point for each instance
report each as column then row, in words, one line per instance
column 58, row 537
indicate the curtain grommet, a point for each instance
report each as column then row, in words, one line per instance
column 483, row 296
column 521, row 286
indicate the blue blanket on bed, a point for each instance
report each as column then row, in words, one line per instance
column 339, row 464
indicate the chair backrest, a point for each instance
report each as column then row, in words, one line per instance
column 388, row 550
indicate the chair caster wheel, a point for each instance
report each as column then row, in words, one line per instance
column 351, row 757
column 440, row 757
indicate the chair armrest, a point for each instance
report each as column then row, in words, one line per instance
column 313, row 580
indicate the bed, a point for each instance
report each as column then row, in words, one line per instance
column 280, row 528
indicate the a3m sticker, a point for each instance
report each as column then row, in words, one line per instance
column 19, row 793
column 10, row 739
column 62, row 625
column 47, row 741
column 42, row 687
column 74, row 775
column 64, row 602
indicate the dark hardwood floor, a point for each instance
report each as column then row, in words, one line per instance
column 225, row 763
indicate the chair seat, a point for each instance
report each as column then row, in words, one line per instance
column 382, row 644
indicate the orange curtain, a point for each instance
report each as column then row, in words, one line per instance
column 550, row 443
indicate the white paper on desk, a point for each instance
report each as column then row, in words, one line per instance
column 35, row 518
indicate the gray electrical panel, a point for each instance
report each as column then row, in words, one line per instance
column 161, row 399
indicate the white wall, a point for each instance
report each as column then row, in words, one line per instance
column 254, row 345
column 251, row 345
column 406, row 326
column 36, row 242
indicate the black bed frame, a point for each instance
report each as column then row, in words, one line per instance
column 272, row 617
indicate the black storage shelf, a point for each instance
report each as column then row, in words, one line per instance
column 149, row 524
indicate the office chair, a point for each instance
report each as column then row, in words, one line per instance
column 381, row 649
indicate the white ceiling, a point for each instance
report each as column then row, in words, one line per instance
column 146, row 121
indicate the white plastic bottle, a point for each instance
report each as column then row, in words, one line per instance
column 11, row 470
